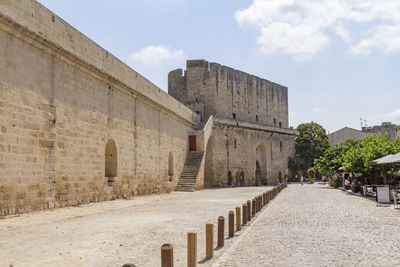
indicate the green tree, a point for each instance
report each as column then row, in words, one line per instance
column 311, row 143
column 333, row 157
column 356, row 155
column 358, row 158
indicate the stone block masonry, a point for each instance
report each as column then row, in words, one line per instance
column 214, row 89
column 251, row 141
column 76, row 124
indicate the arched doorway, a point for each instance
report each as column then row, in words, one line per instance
column 237, row 179
column 229, row 178
column 261, row 165
column 111, row 159
column 258, row 173
column 242, row 178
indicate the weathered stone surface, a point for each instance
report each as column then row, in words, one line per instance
column 250, row 122
column 78, row 126
column 62, row 98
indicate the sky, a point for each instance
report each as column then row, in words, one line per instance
column 340, row 59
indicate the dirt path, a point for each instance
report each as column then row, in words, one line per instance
column 117, row 232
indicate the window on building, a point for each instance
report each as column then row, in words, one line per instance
column 280, row 124
column 274, row 121
column 256, row 118
column 234, row 115
column 234, row 143
column 280, row 146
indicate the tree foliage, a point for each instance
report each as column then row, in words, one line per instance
column 311, row 143
column 333, row 159
column 356, row 155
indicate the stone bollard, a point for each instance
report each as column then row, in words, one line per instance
column 265, row 198
column 221, row 231
column 238, row 222
column 244, row 215
column 192, row 250
column 231, row 223
column 253, row 206
column 248, row 211
column 167, row 255
column 209, row 240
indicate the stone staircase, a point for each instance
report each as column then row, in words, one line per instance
column 190, row 171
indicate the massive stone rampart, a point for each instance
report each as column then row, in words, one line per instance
column 76, row 124
column 214, row 89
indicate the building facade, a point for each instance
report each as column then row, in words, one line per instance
column 251, row 141
column 344, row 134
column 77, row 125
column 386, row 127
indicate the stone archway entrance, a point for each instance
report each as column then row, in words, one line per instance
column 229, row 178
column 261, row 165
column 258, row 173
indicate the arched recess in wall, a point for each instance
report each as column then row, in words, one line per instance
column 229, row 178
column 170, row 166
column 260, row 164
column 111, row 159
column 237, row 178
column 209, row 164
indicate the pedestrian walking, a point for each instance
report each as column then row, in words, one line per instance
column 301, row 180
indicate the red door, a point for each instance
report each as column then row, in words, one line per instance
column 241, row 178
column 192, row 143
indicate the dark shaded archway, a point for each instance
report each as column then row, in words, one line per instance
column 261, row 165
column 229, row 178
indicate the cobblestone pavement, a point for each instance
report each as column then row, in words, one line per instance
column 315, row 225
column 122, row 231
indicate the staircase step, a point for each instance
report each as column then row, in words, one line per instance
column 188, row 177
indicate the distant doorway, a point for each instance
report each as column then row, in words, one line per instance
column 229, row 178
column 241, row 178
column 258, row 172
column 192, row 143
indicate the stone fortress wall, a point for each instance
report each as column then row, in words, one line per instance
column 211, row 88
column 77, row 125
column 251, row 138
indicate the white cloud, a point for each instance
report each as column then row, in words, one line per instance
column 154, row 55
column 393, row 116
column 302, row 28
column 316, row 109
column 385, row 38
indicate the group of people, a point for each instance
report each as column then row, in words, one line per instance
column 300, row 179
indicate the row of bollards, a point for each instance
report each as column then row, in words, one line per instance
column 249, row 210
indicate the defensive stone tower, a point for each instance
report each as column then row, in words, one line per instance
column 214, row 89
column 251, row 141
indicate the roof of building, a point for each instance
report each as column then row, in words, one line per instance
column 347, row 128
column 387, row 160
